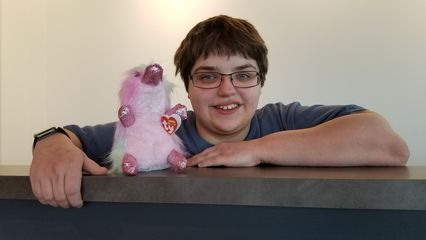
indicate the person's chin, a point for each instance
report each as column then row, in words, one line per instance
column 227, row 128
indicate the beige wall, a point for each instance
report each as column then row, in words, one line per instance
column 62, row 60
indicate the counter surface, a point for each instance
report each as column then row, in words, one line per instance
column 397, row 188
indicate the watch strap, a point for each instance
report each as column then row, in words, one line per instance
column 48, row 132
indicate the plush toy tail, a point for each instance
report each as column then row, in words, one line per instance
column 117, row 152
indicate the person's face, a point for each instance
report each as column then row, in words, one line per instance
column 224, row 113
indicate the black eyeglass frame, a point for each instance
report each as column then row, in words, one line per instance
column 258, row 81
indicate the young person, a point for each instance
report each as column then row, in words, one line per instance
column 223, row 63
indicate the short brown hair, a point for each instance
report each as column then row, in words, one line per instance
column 222, row 35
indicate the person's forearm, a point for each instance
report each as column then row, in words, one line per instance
column 353, row 140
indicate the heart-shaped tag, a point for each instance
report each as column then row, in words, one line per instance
column 170, row 123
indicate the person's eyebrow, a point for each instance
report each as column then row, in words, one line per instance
column 244, row 67
column 237, row 68
column 205, row 68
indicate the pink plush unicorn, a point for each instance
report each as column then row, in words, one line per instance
column 144, row 138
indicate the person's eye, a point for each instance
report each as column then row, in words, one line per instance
column 207, row 76
column 241, row 76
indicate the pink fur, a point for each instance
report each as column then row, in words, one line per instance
column 145, row 139
column 129, row 88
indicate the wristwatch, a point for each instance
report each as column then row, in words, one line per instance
column 48, row 132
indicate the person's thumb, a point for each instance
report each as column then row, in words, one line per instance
column 93, row 168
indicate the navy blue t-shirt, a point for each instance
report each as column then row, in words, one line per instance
column 97, row 140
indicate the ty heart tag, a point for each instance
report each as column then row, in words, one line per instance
column 170, row 123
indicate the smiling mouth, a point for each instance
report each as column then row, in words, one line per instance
column 228, row 107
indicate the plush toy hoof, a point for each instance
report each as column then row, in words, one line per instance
column 126, row 116
column 177, row 161
column 129, row 165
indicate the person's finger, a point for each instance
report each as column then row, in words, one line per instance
column 58, row 188
column 47, row 193
column 72, row 188
column 35, row 183
column 203, row 156
column 72, row 181
column 196, row 160
column 93, row 168
column 208, row 160
column 211, row 161
column 37, row 190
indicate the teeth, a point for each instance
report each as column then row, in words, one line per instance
column 228, row 107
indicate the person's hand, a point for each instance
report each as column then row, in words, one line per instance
column 56, row 171
column 230, row 154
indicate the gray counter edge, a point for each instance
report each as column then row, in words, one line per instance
column 307, row 193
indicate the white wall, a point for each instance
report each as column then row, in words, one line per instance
column 62, row 60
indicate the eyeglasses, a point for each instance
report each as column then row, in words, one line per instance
column 210, row 80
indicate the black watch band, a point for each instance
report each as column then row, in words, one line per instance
column 48, row 132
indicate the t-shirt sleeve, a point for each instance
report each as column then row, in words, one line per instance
column 309, row 116
column 297, row 116
column 96, row 140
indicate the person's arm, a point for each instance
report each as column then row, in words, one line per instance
column 358, row 139
column 56, row 170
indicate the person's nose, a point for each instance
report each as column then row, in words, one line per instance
column 226, row 88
